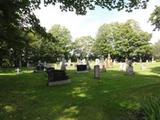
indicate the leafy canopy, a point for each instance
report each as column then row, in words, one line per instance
column 122, row 40
column 155, row 18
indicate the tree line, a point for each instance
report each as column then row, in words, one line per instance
column 120, row 40
column 23, row 39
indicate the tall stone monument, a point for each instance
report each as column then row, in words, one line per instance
column 108, row 62
column 63, row 64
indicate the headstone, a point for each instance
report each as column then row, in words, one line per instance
column 44, row 66
column 102, row 65
column 81, row 68
column 129, row 68
column 153, row 59
column 97, row 61
column 57, row 77
column 17, row 70
column 40, row 66
column 108, row 62
column 88, row 65
column 124, row 66
column 84, row 61
column 63, row 64
column 96, row 72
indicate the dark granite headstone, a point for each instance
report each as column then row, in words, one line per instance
column 39, row 67
column 81, row 68
column 57, row 77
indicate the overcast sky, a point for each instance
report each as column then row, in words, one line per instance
column 88, row 24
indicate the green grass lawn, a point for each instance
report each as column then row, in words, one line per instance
column 27, row 97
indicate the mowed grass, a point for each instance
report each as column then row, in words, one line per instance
column 27, row 97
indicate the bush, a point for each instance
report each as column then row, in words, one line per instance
column 151, row 108
column 6, row 63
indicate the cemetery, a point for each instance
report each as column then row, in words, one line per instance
column 112, row 95
column 79, row 60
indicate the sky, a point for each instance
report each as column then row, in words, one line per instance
column 84, row 25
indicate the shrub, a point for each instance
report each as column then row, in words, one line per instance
column 151, row 108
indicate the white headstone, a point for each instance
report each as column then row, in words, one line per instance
column 97, row 61
column 17, row 70
column 84, row 61
column 124, row 66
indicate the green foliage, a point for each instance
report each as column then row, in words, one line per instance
column 83, row 46
column 62, row 45
column 155, row 18
column 123, row 40
column 156, row 50
column 17, row 21
column 82, row 6
column 151, row 108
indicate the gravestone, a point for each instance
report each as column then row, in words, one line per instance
column 84, row 61
column 88, row 65
column 146, row 61
column 129, row 68
column 17, row 71
column 124, row 66
column 81, row 68
column 57, row 77
column 44, row 65
column 153, row 59
column 39, row 67
column 96, row 72
column 108, row 62
column 102, row 65
column 97, row 61
column 63, row 64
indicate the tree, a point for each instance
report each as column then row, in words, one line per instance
column 63, row 44
column 16, row 21
column 123, row 40
column 17, row 17
column 81, row 6
column 82, row 46
column 104, row 43
column 156, row 50
column 155, row 18
column 18, row 14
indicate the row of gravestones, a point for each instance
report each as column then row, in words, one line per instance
column 59, row 77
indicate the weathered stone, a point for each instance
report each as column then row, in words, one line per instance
column 96, row 72
column 129, row 68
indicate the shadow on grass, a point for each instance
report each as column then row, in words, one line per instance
column 27, row 96
column 156, row 70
